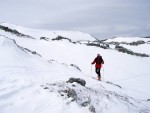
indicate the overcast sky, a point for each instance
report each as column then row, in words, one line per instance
column 101, row 18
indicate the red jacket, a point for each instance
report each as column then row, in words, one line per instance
column 99, row 61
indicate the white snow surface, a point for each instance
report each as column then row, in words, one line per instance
column 127, row 39
column 34, row 84
column 73, row 35
column 139, row 48
column 142, row 48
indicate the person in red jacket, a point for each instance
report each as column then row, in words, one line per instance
column 98, row 61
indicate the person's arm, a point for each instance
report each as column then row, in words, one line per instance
column 102, row 61
column 93, row 62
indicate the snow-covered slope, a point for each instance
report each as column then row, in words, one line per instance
column 135, row 44
column 127, row 39
column 10, row 52
column 35, row 84
column 73, row 35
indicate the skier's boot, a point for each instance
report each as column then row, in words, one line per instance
column 99, row 78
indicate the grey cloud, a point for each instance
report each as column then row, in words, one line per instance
column 98, row 17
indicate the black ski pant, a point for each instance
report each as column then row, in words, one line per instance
column 97, row 70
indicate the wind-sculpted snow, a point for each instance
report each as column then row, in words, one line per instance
column 11, row 53
column 14, row 55
column 98, row 100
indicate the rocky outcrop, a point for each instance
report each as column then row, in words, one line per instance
column 15, row 32
column 44, row 38
column 92, row 99
column 125, row 50
column 77, row 80
column 98, row 44
column 73, row 65
column 62, row 38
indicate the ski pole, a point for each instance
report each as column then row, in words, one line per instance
column 103, row 74
column 91, row 70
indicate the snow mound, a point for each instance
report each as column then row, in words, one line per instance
column 10, row 45
column 95, row 100
column 11, row 53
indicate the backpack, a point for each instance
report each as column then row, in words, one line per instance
column 99, row 60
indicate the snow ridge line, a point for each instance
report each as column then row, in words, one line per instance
column 15, row 32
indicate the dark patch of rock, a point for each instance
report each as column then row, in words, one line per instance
column 44, row 38
column 13, row 31
column 78, row 80
column 73, row 65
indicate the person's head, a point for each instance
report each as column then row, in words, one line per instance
column 98, row 54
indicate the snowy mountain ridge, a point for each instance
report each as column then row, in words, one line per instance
column 33, row 75
column 73, row 35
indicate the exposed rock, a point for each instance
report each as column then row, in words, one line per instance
column 32, row 52
column 61, row 38
column 141, row 54
column 46, row 88
column 99, row 44
column 147, row 37
column 137, row 43
column 71, row 93
column 13, row 31
column 92, row 109
column 86, row 103
column 113, row 84
column 114, row 43
column 44, row 38
column 78, row 80
column 91, row 98
column 124, row 50
column 73, row 65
